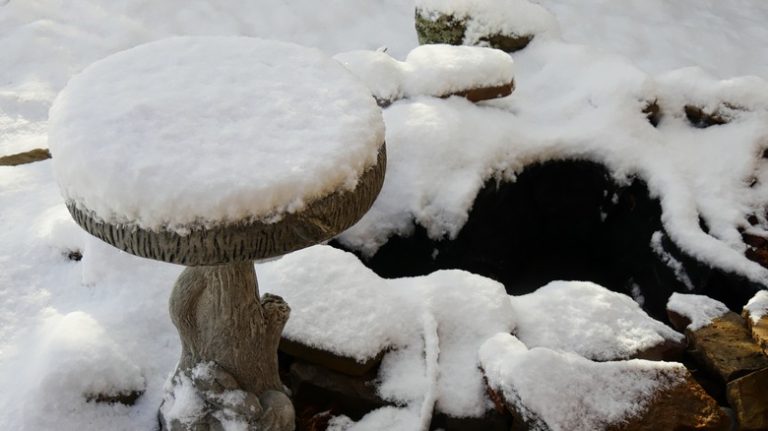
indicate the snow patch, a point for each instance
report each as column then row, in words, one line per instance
column 587, row 319
column 758, row 306
column 191, row 108
column 486, row 18
column 699, row 309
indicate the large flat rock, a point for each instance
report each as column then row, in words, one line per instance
column 726, row 349
column 748, row 396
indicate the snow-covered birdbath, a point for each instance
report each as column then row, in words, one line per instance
column 212, row 153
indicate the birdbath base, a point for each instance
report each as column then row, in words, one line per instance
column 228, row 370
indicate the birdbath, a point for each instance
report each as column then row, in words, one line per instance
column 213, row 152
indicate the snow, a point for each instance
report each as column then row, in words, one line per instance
column 757, row 306
column 189, row 107
column 657, row 34
column 440, row 70
column 45, row 42
column 441, row 152
column 491, row 17
column 564, row 391
column 699, row 309
column 341, row 306
column 578, row 97
column 587, row 319
column 430, row 70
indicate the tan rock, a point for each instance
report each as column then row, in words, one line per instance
column 681, row 407
column 35, row 155
column 726, row 349
column 748, row 396
column 758, row 330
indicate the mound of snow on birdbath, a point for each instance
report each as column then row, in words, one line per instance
column 307, row 147
column 587, row 319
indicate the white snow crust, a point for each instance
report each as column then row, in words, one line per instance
column 757, row 306
column 699, row 309
column 201, row 131
column 339, row 305
column 440, row 70
column 430, row 70
column 491, row 17
column 564, row 391
column 587, row 319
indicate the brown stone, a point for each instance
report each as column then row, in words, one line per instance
column 485, row 93
column 669, row 350
column 759, row 255
column 748, row 396
column 652, row 112
column 754, row 240
column 684, row 406
column 322, row 389
column 342, row 364
column 678, row 321
column 758, row 330
column 725, row 348
column 126, row 398
column 35, row 155
column 702, row 119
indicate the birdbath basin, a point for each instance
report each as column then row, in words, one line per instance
column 213, row 152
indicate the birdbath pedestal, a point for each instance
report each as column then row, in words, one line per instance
column 213, row 152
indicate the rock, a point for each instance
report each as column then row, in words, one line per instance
column 748, row 395
column 126, row 398
column 443, row 29
column 652, row 112
column 35, row 155
column 702, row 119
column 759, row 331
column 677, row 320
column 669, row 350
column 485, row 93
column 682, row 407
column 342, row 364
column 758, row 327
column 450, row 30
column 725, row 348
column 322, row 389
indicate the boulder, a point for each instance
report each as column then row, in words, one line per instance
column 748, row 396
column 342, row 364
column 35, row 155
column 450, row 30
column 725, row 348
column 685, row 406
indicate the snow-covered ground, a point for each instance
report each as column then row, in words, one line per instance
column 68, row 328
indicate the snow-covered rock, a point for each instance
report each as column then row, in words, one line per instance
column 579, row 393
column 696, row 311
column 482, row 20
column 757, row 307
column 589, row 320
column 431, row 326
